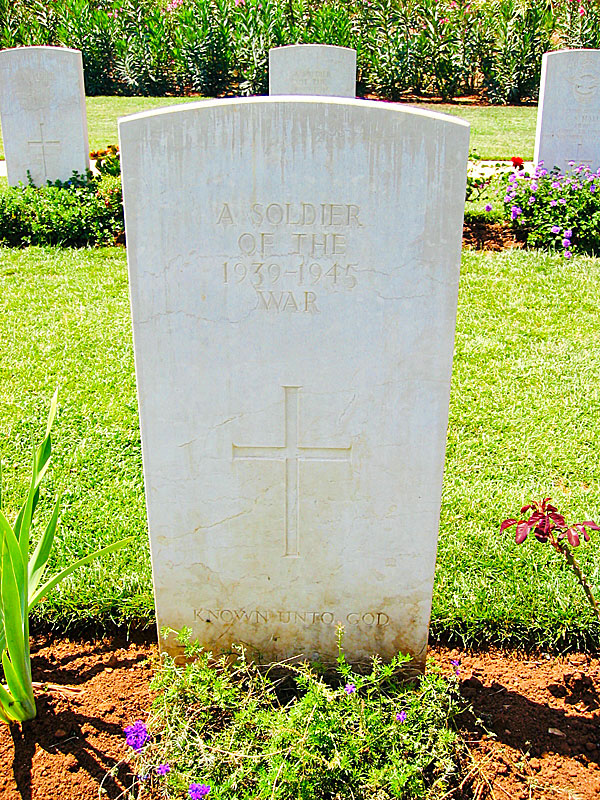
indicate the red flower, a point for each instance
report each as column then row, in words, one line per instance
column 517, row 162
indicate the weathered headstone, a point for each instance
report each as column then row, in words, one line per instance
column 294, row 273
column 568, row 121
column 312, row 69
column 42, row 109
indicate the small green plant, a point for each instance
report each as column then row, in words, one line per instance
column 228, row 728
column 21, row 586
column 549, row 527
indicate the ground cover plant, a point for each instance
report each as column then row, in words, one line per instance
column 227, row 728
column 556, row 211
column 523, row 423
column 444, row 47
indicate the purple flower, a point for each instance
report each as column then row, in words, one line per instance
column 568, row 254
column 512, row 177
column 568, row 233
column 137, row 735
column 401, row 716
column 531, row 200
column 162, row 769
column 198, row 790
column 555, row 229
column 488, row 207
column 556, row 184
column 534, row 186
column 566, row 243
column 515, row 212
column 349, row 688
column 552, row 203
column 562, row 201
column 592, row 188
column 456, row 664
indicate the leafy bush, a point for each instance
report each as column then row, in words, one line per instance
column 286, row 732
column 86, row 211
column 554, row 211
column 522, row 34
column 447, row 47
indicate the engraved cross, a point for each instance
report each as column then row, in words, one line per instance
column 43, row 144
column 292, row 453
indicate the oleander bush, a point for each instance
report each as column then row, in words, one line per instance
column 442, row 47
column 81, row 212
column 555, row 211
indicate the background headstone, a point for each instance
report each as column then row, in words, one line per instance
column 312, row 69
column 43, row 115
column 568, row 120
column 294, row 270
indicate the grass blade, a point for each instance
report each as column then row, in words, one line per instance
column 80, row 563
column 39, row 557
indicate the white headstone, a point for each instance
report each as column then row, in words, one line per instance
column 294, row 270
column 312, row 69
column 568, row 121
column 42, row 108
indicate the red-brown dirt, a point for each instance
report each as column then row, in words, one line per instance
column 538, row 735
column 482, row 235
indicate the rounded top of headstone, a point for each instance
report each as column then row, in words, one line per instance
column 263, row 100
column 312, row 46
column 37, row 50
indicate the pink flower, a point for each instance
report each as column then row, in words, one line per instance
column 581, row 10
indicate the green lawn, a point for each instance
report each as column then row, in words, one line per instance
column 103, row 113
column 523, row 422
column 497, row 132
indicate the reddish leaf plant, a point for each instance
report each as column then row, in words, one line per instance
column 550, row 526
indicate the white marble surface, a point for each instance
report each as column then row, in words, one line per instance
column 294, row 270
column 568, row 121
column 42, row 109
column 313, row 69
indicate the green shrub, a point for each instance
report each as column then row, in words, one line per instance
column 286, row 732
column 447, row 47
column 74, row 214
column 554, row 211
column 521, row 35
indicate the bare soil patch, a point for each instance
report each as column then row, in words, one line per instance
column 534, row 731
column 486, row 235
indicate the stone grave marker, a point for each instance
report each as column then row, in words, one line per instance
column 568, row 120
column 312, row 69
column 43, row 114
column 294, row 270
